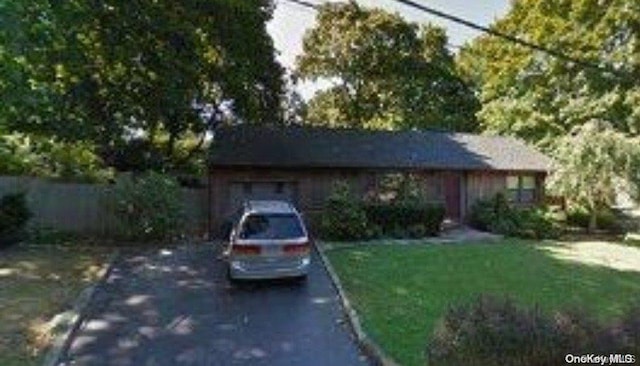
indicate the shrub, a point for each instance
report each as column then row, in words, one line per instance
column 148, row 207
column 405, row 219
column 496, row 215
column 348, row 217
column 400, row 188
column 606, row 219
column 534, row 223
column 343, row 217
column 627, row 331
column 14, row 215
column 42, row 235
column 492, row 331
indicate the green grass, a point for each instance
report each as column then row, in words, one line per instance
column 36, row 283
column 400, row 292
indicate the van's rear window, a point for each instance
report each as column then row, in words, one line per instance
column 271, row 226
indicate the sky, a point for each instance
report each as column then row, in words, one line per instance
column 290, row 22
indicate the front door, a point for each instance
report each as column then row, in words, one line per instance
column 452, row 184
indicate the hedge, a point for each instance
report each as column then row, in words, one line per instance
column 497, row 216
column 497, row 331
column 405, row 220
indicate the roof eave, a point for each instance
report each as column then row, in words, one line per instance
column 247, row 165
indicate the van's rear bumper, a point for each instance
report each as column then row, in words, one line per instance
column 268, row 269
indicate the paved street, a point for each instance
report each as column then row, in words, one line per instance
column 175, row 307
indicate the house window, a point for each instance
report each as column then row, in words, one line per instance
column 527, row 188
column 513, row 187
column 521, row 188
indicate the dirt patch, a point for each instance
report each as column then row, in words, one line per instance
column 36, row 284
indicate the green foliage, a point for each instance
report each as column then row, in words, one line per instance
column 400, row 209
column 347, row 217
column 75, row 162
column 104, row 72
column 606, row 219
column 147, row 207
column 22, row 155
column 537, row 223
column 50, row 236
column 343, row 218
column 413, row 220
column 14, row 215
column 591, row 164
column 497, row 216
column 387, row 73
column 401, row 292
column 485, row 214
column 539, row 97
column 401, row 189
column 16, row 156
column 495, row 331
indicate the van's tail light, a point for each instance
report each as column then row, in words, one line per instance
column 302, row 248
column 246, row 249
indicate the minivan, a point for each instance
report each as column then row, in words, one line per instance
column 267, row 239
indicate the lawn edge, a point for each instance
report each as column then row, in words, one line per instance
column 76, row 315
column 367, row 345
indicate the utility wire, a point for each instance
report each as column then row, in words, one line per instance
column 315, row 7
column 505, row 36
column 306, row 4
column 492, row 32
column 297, row 6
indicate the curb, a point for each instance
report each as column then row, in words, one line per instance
column 368, row 346
column 71, row 320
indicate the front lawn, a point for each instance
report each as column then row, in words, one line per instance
column 36, row 283
column 401, row 291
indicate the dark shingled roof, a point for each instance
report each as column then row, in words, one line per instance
column 294, row 146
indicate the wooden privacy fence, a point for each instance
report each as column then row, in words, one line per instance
column 82, row 208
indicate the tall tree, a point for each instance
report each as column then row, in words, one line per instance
column 386, row 72
column 539, row 97
column 593, row 163
column 111, row 71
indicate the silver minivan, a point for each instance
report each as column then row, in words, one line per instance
column 268, row 239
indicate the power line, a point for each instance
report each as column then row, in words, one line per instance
column 315, row 7
column 306, row 4
column 506, row 36
column 296, row 6
column 493, row 32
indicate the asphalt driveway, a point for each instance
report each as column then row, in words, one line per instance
column 175, row 307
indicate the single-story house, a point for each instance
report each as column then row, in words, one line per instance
column 301, row 164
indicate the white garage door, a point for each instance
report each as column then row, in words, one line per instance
column 259, row 190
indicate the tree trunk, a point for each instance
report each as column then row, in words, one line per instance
column 355, row 99
column 593, row 221
column 170, row 151
column 170, row 148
